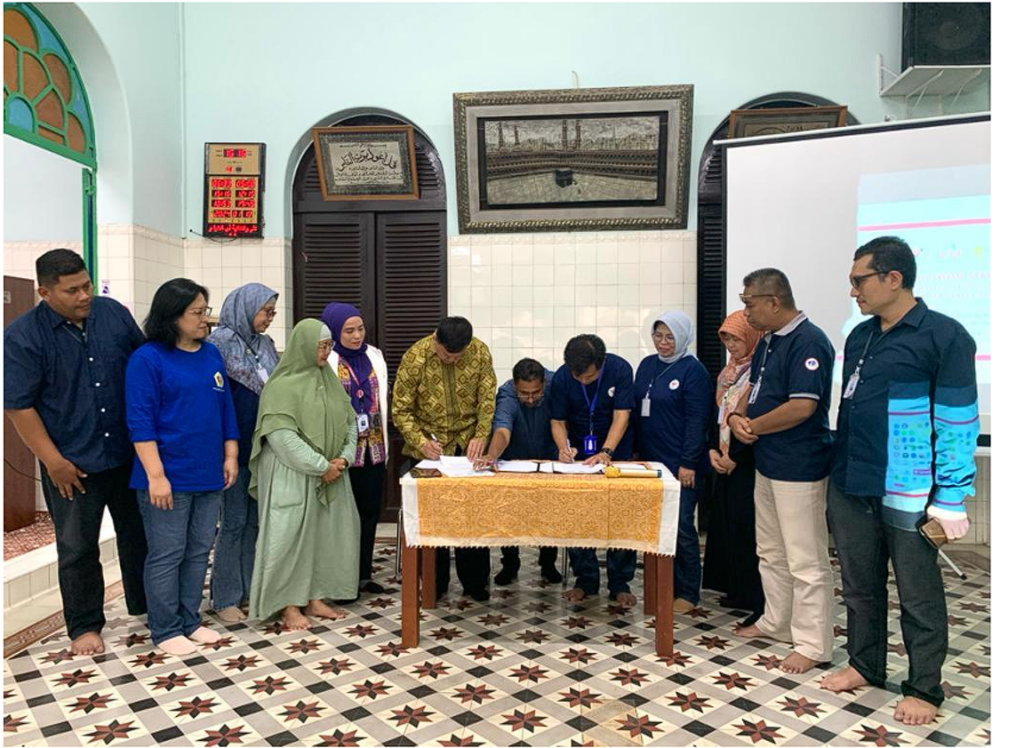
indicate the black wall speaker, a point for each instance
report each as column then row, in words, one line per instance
column 947, row 34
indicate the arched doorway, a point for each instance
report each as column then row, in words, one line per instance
column 388, row 257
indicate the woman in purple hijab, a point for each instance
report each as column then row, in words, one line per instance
column 364, row 374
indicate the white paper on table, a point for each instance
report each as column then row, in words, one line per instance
column 460, row 467
column 570, row 468
column 429, row 464
column 517, row 466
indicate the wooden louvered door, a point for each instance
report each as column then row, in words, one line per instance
column 334, row 262
column 412, row 297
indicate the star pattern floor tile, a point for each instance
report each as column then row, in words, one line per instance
column 525, row 668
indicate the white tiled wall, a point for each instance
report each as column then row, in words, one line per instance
column 223, row 266
column 527, row 294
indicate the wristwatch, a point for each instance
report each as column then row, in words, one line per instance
column 608, row 451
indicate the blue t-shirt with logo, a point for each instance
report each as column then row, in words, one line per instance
column 182, row 401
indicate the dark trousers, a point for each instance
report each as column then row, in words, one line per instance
column 686, row 565
column 510, row 557
column 865, row 545
column 77, row 525
column 621, row 566
column 473, row 566
column 368, row 490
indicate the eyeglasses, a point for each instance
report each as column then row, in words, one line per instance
column 666, row 337
column 269, row 312
column 856, row 280
column 206, row 311
column 745, row 299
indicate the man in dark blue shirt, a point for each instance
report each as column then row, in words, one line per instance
column 591, row 402
column 786, row 419
column 522, row 431
column 908, row 428
column 64, row 369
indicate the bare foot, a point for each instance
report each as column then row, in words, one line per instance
column 293, row 619
column 88, row 643
column 846, row 679
column 231, row 614
column 796, row 663
column 911, row 710
column 625, row 599
column 179, row 646
column 204, row 635
column 750, row 632
column 320, row 609
column 574, row 595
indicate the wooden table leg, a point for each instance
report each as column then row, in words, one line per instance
column 428, row 557
column 650, row 575
column 410, row 595
column 663, row 622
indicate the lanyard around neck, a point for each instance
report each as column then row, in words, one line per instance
column 592, row 404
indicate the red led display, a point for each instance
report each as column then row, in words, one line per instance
column 233, row 190
column 235, row 152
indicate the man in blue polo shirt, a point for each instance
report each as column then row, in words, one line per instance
column 64, row 368
column 591, row 402
column 522, row 431
column 786, row 420
column 908, row 428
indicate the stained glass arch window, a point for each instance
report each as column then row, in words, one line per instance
column 45, row 102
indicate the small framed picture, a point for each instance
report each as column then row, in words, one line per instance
column 748, row 123
column 366, row 163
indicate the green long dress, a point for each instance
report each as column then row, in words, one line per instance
column 308, row 543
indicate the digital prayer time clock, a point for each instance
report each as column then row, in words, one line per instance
column 233, row 189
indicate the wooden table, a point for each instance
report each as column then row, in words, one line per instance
column 420, row 565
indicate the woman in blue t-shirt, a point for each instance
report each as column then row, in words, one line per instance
column 673, row 404
column 182, row 422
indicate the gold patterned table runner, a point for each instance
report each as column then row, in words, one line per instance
column 533, row 509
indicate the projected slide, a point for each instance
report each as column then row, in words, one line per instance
column 950, row 236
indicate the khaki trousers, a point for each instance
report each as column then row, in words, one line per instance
column 792, row 545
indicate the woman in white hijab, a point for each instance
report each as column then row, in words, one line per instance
column 674, row 400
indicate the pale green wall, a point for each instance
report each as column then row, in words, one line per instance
column 270, row 71
column 308, row 61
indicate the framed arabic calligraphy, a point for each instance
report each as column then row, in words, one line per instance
column 590, row 159
column 366, row 163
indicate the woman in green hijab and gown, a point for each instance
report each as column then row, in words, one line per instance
column 308, row 546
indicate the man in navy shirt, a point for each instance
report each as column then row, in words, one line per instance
column 64, row 370
column 522, row 431
column 591, row 402
column 908, row 427
column 786, row 419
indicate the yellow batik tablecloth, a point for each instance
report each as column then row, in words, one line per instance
column 538, row 509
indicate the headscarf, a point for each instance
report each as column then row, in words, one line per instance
column 735, row 376
column 303, row 397
column 335, row 316
column 235, row 338
column 681, row 326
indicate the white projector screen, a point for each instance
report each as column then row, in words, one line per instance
column 805, row 203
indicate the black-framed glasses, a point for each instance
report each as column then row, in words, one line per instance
column 271, row 312
column 856, row 280
column 745, row 298
column 206, row 311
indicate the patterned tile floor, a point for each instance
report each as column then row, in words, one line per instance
column 525, row 668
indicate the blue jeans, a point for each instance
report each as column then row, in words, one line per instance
column 686, row 568
column 235, row 550
column 179, row 542
column 621, row 567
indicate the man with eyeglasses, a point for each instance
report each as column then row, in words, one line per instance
column 64, row 375
column 786, row 419
column 522, row 431
column 908, row 428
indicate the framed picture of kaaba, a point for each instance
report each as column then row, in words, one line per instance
column 366, row 163
column 748, row 123
column 573, row 160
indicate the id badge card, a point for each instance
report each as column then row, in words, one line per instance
column 851, row 386
column 262, row 374
column 753, row 392
column 645, row 407
column 363, row 422
column 589, row 445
